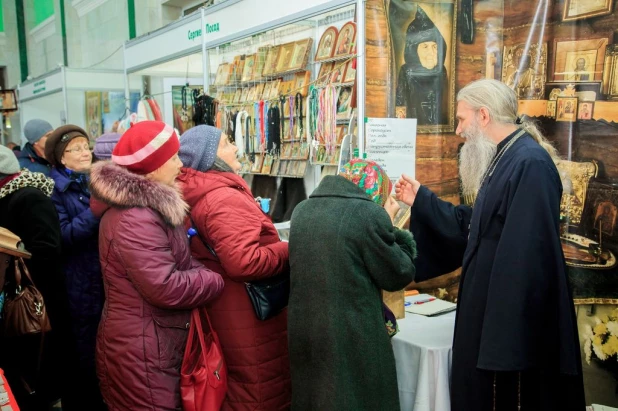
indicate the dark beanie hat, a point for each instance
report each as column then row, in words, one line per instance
column 58, row 141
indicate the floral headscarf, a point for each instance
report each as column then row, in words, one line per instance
column 370, row 177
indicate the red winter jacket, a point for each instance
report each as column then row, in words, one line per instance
column 151, row 285
column 248, row 248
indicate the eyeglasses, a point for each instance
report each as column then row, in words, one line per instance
column 78, row 149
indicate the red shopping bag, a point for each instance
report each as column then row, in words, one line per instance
column 6, row 395
column 203, row 375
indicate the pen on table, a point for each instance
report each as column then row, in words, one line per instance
column 424, row 301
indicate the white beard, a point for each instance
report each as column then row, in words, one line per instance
column 474, row 159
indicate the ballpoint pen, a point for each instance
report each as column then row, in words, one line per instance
column 424, row 301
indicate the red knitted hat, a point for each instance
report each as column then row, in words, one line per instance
column 146, row 146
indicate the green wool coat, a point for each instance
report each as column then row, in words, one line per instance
column 343, row 250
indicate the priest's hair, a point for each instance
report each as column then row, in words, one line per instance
column 501, row 102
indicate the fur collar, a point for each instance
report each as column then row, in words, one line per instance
column 26, row 178
column 119, row 188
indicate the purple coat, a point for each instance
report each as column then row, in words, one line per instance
column 151, row 285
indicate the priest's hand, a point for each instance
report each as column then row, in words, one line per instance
column 392, row 207
column 406, row 189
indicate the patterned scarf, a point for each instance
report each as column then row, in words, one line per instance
column 370, row 177
column 27, row 178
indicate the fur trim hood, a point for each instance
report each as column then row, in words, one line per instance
column 119, row 188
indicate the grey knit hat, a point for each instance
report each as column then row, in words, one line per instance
column 35, row 129
column 8, row 162
column 198, row 147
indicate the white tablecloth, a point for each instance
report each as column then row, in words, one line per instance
column 423, row 355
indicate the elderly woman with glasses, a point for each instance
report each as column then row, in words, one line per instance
column 68, row 151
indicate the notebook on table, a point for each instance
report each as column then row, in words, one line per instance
column 425, row 304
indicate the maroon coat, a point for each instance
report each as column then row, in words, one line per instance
column 151, row 285
column 248, row 247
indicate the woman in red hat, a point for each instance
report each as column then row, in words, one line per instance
column 151, row 280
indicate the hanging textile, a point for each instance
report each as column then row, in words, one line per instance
column 274, row 130
column 204, row 110
column 240, row 136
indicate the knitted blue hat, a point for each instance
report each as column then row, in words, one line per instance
column 198, row 147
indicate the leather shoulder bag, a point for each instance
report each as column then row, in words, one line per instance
column 24, row 308
column 269, row 296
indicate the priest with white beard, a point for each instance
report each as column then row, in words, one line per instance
column 516, row 343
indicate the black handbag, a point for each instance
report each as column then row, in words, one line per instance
column 269, row 296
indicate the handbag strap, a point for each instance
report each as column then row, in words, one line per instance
column 199, row 235
column 203, row 310
column 18, row 272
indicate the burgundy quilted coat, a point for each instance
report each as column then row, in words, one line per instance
column 151, row 285
column 248, row 246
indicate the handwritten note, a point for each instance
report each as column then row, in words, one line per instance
column 391, row 142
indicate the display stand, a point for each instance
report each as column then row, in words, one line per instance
column 291, row 26
column 59, row 96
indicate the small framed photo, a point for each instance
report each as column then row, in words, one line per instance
column 267, row 89
column 302, row 168
column 340, row 134
column 326, row 46
column 275, row 168
column 244, row 95
column 236, row 68
column 324, row 74
column 585, row 109
column 301, row 84
column 274, row 89
column 344, row 103
column 304, row 151
column 271, row 61
column 582, row 9
column 285, row 58
column 220, row 78
column 259, row 91
column 334, row 159
column 320, row 154
column 284, row 168
column 566, row 109
column 579, row 60
column 257, row 164
column 293, row 169
column 247, row 73
column 286, row 151
column 260, row 61
column 8, row 101
column 551, row 109
column 296, row 150
column 268, row 164
column 345, row 40
column 300, row 56
column 237, row 95
column 350, row 72
column 251, row 95
column 246, row 165
column 610, row 74
column 338, row 73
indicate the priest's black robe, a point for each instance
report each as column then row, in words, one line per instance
column 515, row 328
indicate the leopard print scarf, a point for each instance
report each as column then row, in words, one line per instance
column 28, row 179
